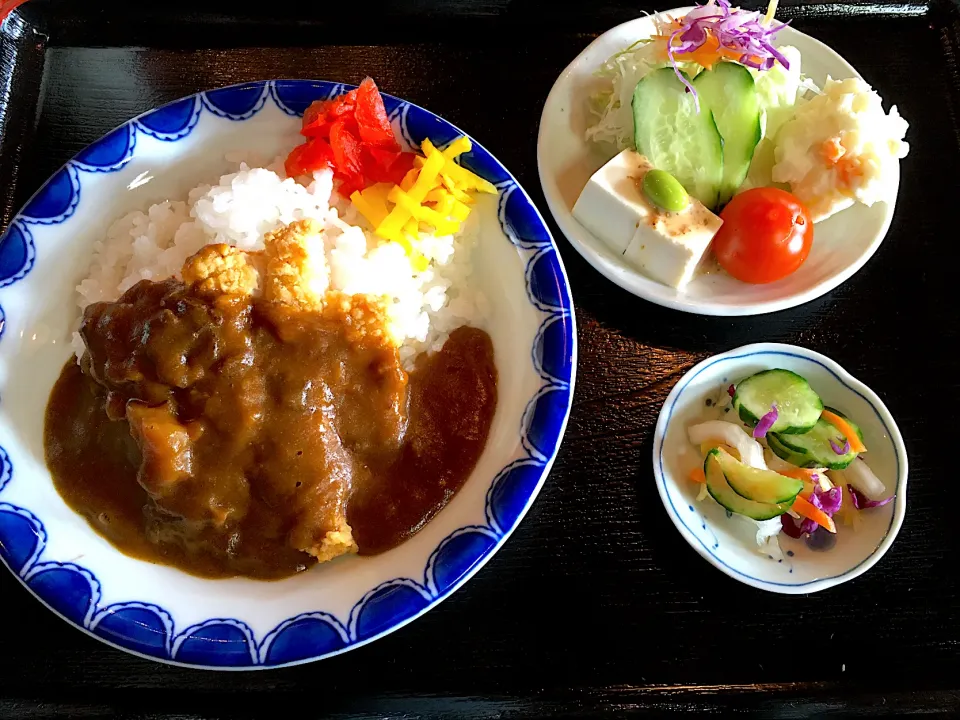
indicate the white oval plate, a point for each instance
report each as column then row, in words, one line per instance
column 728, row 543
column 162, row 613
column 842, row 243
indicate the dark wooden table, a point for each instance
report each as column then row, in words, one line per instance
column 595, row 605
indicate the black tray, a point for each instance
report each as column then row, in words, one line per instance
column 595, row 605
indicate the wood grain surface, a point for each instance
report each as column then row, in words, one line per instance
column 595, row 605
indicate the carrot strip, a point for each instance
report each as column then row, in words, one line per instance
column 805, row 508
column 856, row 444
column 800, row 473
column 697, row 476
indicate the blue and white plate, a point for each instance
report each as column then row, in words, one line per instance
column 160, row 612
column 728, row 542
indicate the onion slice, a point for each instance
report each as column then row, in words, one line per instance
column 751, row 452
column 859, row 474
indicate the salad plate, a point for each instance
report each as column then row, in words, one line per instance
column 161, row 613
column 841, row 245
column 732, row 542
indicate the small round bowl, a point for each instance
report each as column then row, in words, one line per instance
column 157, row 611
column 842, row 243
column 728, row 542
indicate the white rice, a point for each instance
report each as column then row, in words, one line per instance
column 423, row 307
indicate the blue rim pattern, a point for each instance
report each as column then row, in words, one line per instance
column 713, row 545
column 149, row 630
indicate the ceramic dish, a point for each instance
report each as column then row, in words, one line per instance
column 842, row 243
column 727, row 542
column 157, row 611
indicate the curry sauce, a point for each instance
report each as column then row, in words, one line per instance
column 227, row 435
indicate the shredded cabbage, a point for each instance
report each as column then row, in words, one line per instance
column 613, row 106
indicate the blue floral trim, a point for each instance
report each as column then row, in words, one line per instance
column 223, row 642
column 56, row 200
column 170, row 122
column 295, row 96
column 110, row 153
column 6, row 467
column 22, row 535
column 154, row 628
column 150, row 630
column 70, row 590
column 302, row 638
column 237, row 102
column 17, row 252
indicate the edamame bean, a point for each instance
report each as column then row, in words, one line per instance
column 665, row 191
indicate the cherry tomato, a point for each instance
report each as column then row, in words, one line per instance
column 765, row 236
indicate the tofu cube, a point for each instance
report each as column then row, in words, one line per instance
column 667, row 247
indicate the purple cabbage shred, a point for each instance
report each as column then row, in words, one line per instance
column 790, row 527
column 829, row 501
column 739, row 31
column 862, row 502
column 840, row 449
column 766, row 422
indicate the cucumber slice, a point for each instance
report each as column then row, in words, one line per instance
column 814, row 447
column 800, row 459
column 850, row 422
column 674, row 137
column 729, row 92
column 765, row 486
column 720, row 490
column 798, row 406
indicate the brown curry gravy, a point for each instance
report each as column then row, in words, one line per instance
column 225, row 436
